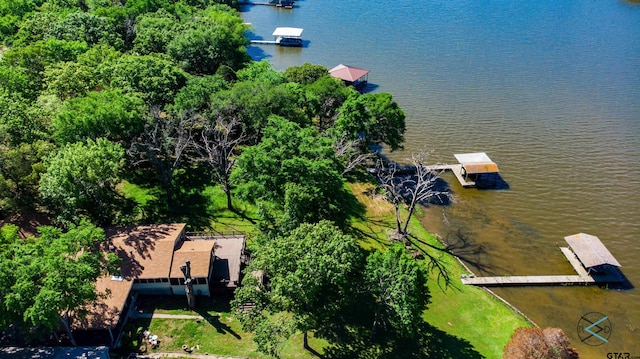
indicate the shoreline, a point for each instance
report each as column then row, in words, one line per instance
column 492, row 293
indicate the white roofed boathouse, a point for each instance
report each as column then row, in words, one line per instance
column 477, row 170
column 288, row 36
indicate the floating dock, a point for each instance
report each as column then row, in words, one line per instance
column 586, row 254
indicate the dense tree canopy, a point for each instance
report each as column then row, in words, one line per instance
column 20, row 170
column 81, row 179
column 309, row 271
column 50, row 276
column 110, row 114
column 375, row 117
column 296, row 169
column 398, row 284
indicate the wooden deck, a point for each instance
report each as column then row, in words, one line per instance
column 457, row 171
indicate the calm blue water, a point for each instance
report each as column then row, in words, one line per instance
column 549, row 89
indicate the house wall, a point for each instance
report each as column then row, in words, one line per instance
column 153, row 288
column 200, row 289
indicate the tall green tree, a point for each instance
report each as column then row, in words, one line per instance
column 398, row 284
column 305, row 74
column 323, row 100
column 80, row 180
column 18, row 122
column 374, row 117
column 31, row 60
column 12, row 13
column 254, row 101
column 212, row 40
column 46, row 278
column 86, row 27
column 34, row 27
column 196, row 94
column 70, row 79
column 310, row 273
column 154, row 31
column 296, row 169
column 109, row 114
column 156, row 79
column 20, row 170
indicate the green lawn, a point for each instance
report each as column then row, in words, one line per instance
column 219, row 333
column 461, row 321
column 466, row 312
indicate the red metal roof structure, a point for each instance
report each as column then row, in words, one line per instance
column 348, row 73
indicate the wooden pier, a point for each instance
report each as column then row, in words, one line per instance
column 528, row 280
column 593, row 251
column 468, row 174
column 582, row 276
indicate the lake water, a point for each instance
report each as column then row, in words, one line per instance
column 549, row 89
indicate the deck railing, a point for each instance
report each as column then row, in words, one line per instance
column 203, row 235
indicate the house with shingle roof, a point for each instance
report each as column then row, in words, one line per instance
column 151, row 258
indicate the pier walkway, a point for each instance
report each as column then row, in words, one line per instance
column 264, row 42
column 528, row 280
column 582, row 276
column 456, row 170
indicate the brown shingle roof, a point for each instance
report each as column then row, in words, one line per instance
column 199, row 253
column 590, row 250
column 146, row 252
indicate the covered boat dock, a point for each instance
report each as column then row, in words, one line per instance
column 288, row 36
column 476, row 170
column 352, row 76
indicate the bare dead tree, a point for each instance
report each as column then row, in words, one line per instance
column 416, row 185
column 216, row 147
column 349, row 151
column 163, row 143
column 408, row 187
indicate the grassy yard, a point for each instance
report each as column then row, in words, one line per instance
column 218, row 333
column 466, row 312
column 462, row 321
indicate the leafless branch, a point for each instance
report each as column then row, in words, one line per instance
column 163, row 143
column 216, row 146
column 349, row 152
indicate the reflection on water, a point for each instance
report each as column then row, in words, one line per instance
column 548, row 89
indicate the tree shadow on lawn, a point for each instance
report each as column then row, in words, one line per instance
column 211, row 308
column 426, row 342
column 350, row 335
